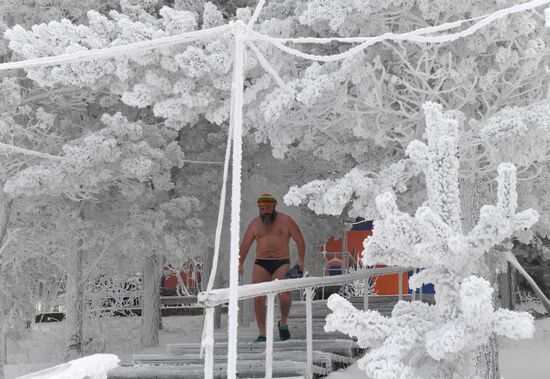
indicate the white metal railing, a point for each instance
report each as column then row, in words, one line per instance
column 221, row 296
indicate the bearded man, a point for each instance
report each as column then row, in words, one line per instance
column 272, row 231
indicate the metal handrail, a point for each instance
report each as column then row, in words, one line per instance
column 220, row 296
column 248, row 291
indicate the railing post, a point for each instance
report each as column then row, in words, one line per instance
column 309, row 333
column 413, row 291
column 400, row 281
column 269, row 336
column 208, row 343
column 366, row 293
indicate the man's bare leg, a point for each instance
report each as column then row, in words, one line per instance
column 285, row 299
column 260, row 275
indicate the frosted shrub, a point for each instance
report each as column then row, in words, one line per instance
column 441, row 338
column 356, row 288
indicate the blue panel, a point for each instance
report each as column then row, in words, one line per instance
column 426, row 288
column 362, row 224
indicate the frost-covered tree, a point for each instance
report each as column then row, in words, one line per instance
column 164, row 231
column 359, row 114
column 441, row 338
column 366, row 110
column 122, row 157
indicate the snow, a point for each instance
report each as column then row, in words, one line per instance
column 94, row 366
column 518, row 359
column 39, row 347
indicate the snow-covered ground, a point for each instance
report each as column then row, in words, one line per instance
column 518, row 359
column 38, row 348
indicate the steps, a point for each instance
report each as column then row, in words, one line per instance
column 320, row 358
column 252, row 369
column 347, row 348
column 332, row 351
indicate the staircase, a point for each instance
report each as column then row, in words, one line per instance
column 332, row 351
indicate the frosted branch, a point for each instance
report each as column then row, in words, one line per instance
column 507, row 195
column 20, row 150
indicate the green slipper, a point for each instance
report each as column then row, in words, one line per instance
column 261, row 338
column 284, row 333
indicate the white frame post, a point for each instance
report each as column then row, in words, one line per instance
column 400, row 284
column 366, row 293
column 239, row 31
column 208, row 343
column 269, row 335
column 309, row 333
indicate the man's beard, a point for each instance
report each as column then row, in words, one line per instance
column 268, row 219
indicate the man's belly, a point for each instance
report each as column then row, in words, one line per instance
column 272, row 250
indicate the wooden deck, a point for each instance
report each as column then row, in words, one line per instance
column 332, row 351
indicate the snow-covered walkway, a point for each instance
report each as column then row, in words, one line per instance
column 518, row 359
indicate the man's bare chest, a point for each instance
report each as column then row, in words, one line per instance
column 272, row 231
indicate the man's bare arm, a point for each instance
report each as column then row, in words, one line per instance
column 297, row 236
column 248, row 239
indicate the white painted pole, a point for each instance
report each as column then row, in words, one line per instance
column 269, row 336
column 400, row 283
column 420, row 290
column 366, row 293
column 309, row 332
column 237, row 120
column 413, row 290
column 208, row 343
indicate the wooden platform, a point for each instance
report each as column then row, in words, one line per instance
column 332, row 351
column 250, row 369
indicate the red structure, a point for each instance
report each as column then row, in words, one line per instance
column 350, row 248
column 190, row 276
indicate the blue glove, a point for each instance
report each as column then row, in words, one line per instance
column 294, row 273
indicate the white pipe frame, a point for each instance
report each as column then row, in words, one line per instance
column 269, row 336
column 217, row 297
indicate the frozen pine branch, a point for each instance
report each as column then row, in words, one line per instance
column 440, row 338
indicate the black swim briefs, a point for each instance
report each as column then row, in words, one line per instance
column 271, row 265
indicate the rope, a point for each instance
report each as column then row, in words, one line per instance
column 420, row 31
column 5, row 146
column 202, row 162
column 114, row 51
column 267, row 67
column 221, row 209
column 256, row 14
column 414, row 36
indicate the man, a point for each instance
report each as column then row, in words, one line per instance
column 272, row 231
